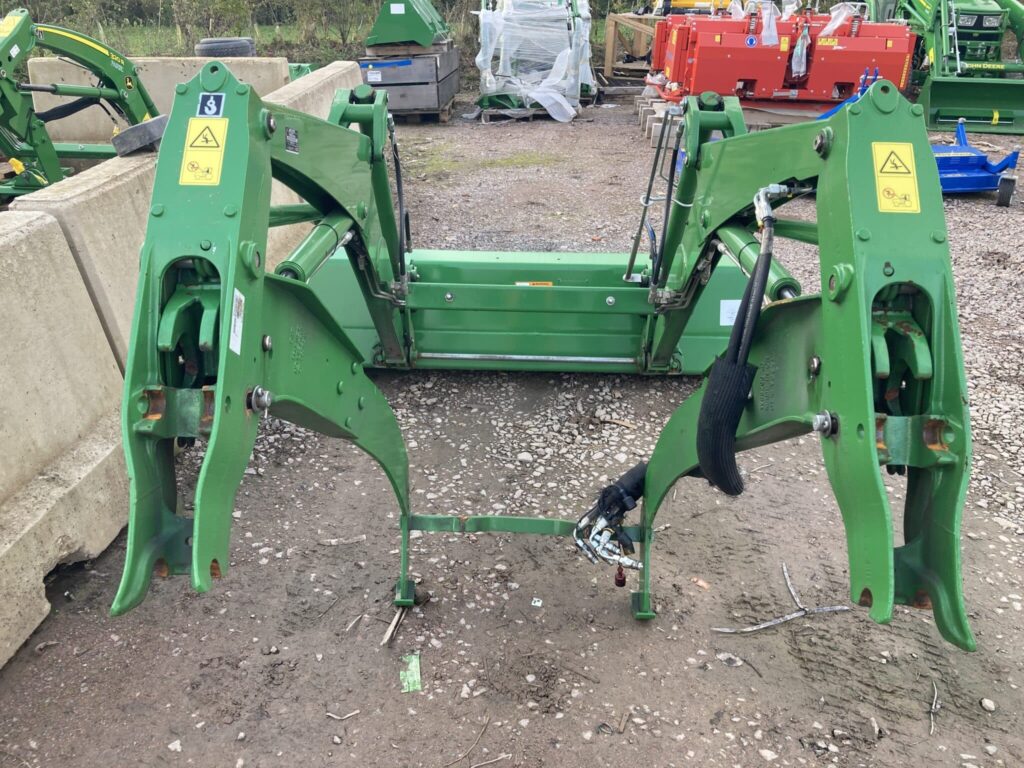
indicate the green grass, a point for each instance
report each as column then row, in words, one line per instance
column 438, row 159
column 271, row 40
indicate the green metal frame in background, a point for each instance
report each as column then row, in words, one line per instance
column 405, row 22
column 967, row 78
column 217, row 339
column 24, row 140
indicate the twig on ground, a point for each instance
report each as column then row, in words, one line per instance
column 354, row 622
column 393, row 627
column 619, row 422
column 342, row 717
column 575, row 671
column 328, row 608
column 791, row 588
column 488, row 762
column 936, row 706
column 803, row 611
column 465, row 754
column 622, row 721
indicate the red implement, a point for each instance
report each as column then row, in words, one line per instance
column 730, row 57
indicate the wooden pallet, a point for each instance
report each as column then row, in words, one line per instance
column 507, row 115
column 488, row 116
column 413, row 117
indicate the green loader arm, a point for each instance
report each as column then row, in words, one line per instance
column 23, row 136
column 873, row 363
column 217, row 341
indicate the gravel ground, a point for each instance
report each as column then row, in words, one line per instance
column 529, row 655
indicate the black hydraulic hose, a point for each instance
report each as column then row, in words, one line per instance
column 67, row 110
column 730, row 380
column 404, row 234
column 652, row 239
column 647, row 203
column 669, row 202
column 758, row 284
column 736, row 335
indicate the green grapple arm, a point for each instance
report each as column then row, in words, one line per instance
column 23, row 135
column 217, row 341
column 872, row 363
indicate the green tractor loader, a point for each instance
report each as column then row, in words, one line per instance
column 960, row 68
column 35, row 160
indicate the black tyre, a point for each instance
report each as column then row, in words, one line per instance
column 225, row 46
column 1005, row 192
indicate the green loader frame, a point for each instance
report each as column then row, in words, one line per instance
column 872, row 362
column 36, row 160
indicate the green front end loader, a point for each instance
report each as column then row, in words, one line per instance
column 869, row 358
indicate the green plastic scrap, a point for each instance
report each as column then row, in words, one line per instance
column 410, row 676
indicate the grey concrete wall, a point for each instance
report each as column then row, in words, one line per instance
column 68, row 270
column 63, row 494
column 158, row 74
column 103, row 213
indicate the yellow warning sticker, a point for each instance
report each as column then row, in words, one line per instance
column 828, row 42
column 8, row 24
column 203, row 157
column 895, row 177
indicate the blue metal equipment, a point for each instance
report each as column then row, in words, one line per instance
column 965, row 169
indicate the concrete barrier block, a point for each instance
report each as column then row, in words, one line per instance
column 59, row 376
column 307, row 93
column 103, row 214
column 158, row 73
column 654, row 133
column 70, row 512
column 63, row 492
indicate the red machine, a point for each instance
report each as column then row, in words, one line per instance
column 717, row 53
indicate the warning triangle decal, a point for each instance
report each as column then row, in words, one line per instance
column 893, row 165
column 206, row 140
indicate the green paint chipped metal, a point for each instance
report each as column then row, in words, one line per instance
column 410, row 676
